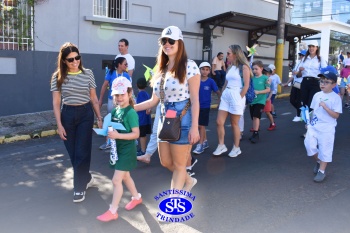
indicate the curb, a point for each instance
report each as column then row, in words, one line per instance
column 23, row 137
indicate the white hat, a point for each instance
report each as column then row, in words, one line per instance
column 120, row 85
column 272, row 66
column 312, row 42
column 172, row 32
column 203, row 64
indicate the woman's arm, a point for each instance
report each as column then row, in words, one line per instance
column 56, row 103
column 153, row 101
column 246, row 80
column 102, row 92
column 194, row 83
column 96, row 106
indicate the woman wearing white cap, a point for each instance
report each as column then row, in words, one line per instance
column 181, row 85
column 308, row 70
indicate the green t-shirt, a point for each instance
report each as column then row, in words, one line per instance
column 260, row 83
column 126, row 149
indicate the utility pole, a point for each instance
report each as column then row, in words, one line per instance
column 280, row 39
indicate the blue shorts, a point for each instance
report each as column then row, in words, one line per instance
column 203, row 119
column 342, row 83
column 186, row 121
column 273, row 98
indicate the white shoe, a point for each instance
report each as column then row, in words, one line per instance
column 296, row 119
column 220, row 149
column 235, row 152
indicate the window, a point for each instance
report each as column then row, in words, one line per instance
column 117, row 9
column 16, row 25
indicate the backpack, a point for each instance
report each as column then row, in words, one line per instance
column 250, row 95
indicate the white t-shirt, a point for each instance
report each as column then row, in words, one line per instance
column 233, row 77
column 312, row 66
column 174, row 91
column 130, row 60
column 275, row 80
column 321, row 121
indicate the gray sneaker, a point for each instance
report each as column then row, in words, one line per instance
column 316, row 167
column 319, row 177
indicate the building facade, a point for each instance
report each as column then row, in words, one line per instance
column 332, row 18
column 96, row 26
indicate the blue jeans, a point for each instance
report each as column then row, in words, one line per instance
column 186, row 120
column 78, row 122
column 220, row 77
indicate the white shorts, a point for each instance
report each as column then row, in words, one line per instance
column 321, row 143
column 231, row 101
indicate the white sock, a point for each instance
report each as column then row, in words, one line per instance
column 138, row 197
column 322, row 171
column 113, row 210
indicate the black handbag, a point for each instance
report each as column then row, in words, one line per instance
column 171, row 127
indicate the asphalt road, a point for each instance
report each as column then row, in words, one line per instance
column 268, row 188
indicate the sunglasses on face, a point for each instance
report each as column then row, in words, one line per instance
column 164, row 40
column 71, row 59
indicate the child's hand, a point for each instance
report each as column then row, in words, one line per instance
column 113, row 134
column 323, row 104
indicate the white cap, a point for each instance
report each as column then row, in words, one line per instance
column 172, row 32
column 312, row 42
column 203, row 64
column 272, row 66
column 120, row 85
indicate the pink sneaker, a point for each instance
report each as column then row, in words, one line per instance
column 133, row 203
column 107, row 216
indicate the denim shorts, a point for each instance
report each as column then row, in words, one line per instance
column 186, row 120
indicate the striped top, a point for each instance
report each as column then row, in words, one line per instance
column 76, row 88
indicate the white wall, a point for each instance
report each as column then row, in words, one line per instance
column 59, row 21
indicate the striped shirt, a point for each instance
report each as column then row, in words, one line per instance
column 76, row 87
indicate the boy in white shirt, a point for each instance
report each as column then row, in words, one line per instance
column 275, row 81
column 319, row 140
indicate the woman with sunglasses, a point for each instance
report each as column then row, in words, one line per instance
column 118, row 69
column 181, row 84
column 74, row 103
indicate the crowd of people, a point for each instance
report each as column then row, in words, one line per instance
column 178, row 84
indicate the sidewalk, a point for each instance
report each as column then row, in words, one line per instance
column 42, row 124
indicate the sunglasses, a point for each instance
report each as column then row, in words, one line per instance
column 164, row 40
column 77, row 58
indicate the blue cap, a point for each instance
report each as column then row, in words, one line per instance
column 302, row 52
column 330, row 69
column 329, row 75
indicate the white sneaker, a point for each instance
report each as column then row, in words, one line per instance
column 220, row 149
column 296, row 119
column 235, row 152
